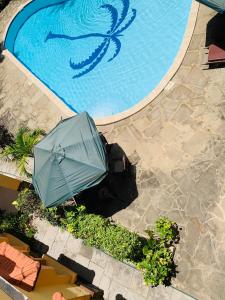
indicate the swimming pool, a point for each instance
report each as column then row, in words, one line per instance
column 100, row 56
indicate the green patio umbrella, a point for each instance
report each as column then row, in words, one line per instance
column 70, row 159
column 218, row 5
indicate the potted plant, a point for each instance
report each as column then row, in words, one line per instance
column 21, row 149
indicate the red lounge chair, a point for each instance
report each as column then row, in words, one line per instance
column 216, row 54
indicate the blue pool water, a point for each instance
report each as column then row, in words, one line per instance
column 100, row 56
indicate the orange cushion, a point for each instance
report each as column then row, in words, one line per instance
column 2, row 248
column 16, row 274
column 58, row 296
column 18, row 268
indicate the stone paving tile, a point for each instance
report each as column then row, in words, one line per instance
column 160, row 293
column 117, row 291
column 42, row 228
column 105, row 285
column 99, row 258
column 49, row 236
column 98, row 273
column 123, row 275
column 72, row 247
column 59, row 243
column 176, row 295
column 137, row 284
column 82, row 260
column 86, row 251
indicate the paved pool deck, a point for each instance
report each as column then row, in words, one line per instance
column 177, row 143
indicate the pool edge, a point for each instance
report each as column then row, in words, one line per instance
column 134, row 109
column 166, row 79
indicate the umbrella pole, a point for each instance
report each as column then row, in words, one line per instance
column 75, row 202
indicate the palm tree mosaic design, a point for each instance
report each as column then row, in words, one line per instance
column 119, row 23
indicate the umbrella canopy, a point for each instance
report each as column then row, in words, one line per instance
column 218, row 5
column 70, row 159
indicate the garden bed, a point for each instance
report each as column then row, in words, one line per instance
column 153, row 256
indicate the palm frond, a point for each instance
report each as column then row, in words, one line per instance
column 22, row 147
column 22, row 165
column 134, row 13
column 118, row 47
column 8, row 150
column 113, row 13
column 90, row 59
column 96, row 62
column 126, row 5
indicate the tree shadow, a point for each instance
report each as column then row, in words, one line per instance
column 177, row 230
column 1, row 50
column 6, row 138
column 120, row 297
column 3, row 4
column 117, row 191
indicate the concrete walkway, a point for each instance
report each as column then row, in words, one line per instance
column 112, row 276
column 177, row 143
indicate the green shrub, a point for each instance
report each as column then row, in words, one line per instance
column 166, row 229
column 99, row 232
column 152, row 256
column 52, row 215
column 123, row 244
column 18, row 223
column 88, row 227
column 157, row 266
column 28, row 203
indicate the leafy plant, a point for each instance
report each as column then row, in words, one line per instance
column 28, row 203
column 99, row 232
column 22, row 147
column 123, row 244
column 18, row 223
column 158, row 265
column 53, row 215
column 153, row 256
column 167, row 230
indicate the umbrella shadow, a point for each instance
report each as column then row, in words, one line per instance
column 117, row 191
column 215, row 33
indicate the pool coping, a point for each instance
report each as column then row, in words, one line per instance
column 134, row 109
